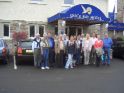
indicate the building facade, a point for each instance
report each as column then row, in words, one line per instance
column 32, row 16
column 117, row 26
column 120, row 11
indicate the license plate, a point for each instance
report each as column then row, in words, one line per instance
column 29, row 51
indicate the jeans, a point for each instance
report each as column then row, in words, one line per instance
column 98, row 60
column 86, row 57
column 45, row 57
column 61, row 60
column 78, row 54
column 51, row 56
column 69, row 61
column 106, row 56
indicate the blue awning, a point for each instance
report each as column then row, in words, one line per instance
column 82, row 12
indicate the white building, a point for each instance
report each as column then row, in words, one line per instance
column 32, row 16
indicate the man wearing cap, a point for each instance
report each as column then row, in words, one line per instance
column 37, row 50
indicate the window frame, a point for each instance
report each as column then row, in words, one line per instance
column 38, row 2
column 68, row 3
column 6, row 0
column 34, row 30
column 39, row 28
column 9, row 30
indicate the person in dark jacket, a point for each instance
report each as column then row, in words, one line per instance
column 78, row 50
column 71, row 51
column 51, row 50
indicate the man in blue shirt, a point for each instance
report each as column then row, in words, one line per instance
column 107, row 43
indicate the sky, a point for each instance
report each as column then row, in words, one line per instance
column 112, row 3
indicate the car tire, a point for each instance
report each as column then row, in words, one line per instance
column 17, row 61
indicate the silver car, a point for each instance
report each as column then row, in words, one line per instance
column 4, row 51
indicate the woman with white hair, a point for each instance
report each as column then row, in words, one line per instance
column 87, row 49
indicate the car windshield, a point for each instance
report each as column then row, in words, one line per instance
column 1, row 43
column 26, row 44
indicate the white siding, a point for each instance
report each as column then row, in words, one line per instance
column 25, row 10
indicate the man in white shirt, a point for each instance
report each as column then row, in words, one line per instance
column 37, row 50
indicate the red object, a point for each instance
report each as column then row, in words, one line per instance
column 98, row 44
column 19, row 51
column 4, row 51
column 18, row 36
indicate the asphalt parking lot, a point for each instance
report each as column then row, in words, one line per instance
column 84, row 79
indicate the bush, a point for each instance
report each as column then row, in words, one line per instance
column 18, row 36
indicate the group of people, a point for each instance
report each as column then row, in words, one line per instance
column 68, row 52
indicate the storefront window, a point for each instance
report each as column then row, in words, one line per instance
column 56, row 30
column 79, row 31
column 6, row 30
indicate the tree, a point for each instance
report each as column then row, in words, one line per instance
column 17, row 37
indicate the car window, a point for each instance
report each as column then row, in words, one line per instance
column 1, row 43
column 26, row 44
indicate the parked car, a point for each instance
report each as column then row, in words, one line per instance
column 4, row 51
column 118, row 49
column 24, row 52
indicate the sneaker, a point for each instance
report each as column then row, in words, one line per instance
column 72, row 67
column 42, row 68
column 47, row 67
column 66, row 68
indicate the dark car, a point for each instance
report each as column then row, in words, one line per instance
column 24, row 52
column 118, row 49
column 4, row 51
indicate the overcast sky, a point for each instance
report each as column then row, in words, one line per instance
column 112, row 3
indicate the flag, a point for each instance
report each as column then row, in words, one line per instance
column 113, row 13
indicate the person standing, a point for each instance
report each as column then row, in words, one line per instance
column 107, row 43
column 56, row 49
column 92, row 54
column 61, row 51
column 71, row 51
column 78, row 50
column 65, row 39
column 82, row 47
column 36, row 48
column 45, row 46
column 51, row 50
column 98, row 45
column 87, row 49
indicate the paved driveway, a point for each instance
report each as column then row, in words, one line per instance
column 85, row 79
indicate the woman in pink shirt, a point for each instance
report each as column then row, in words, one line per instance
column 98, row 48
